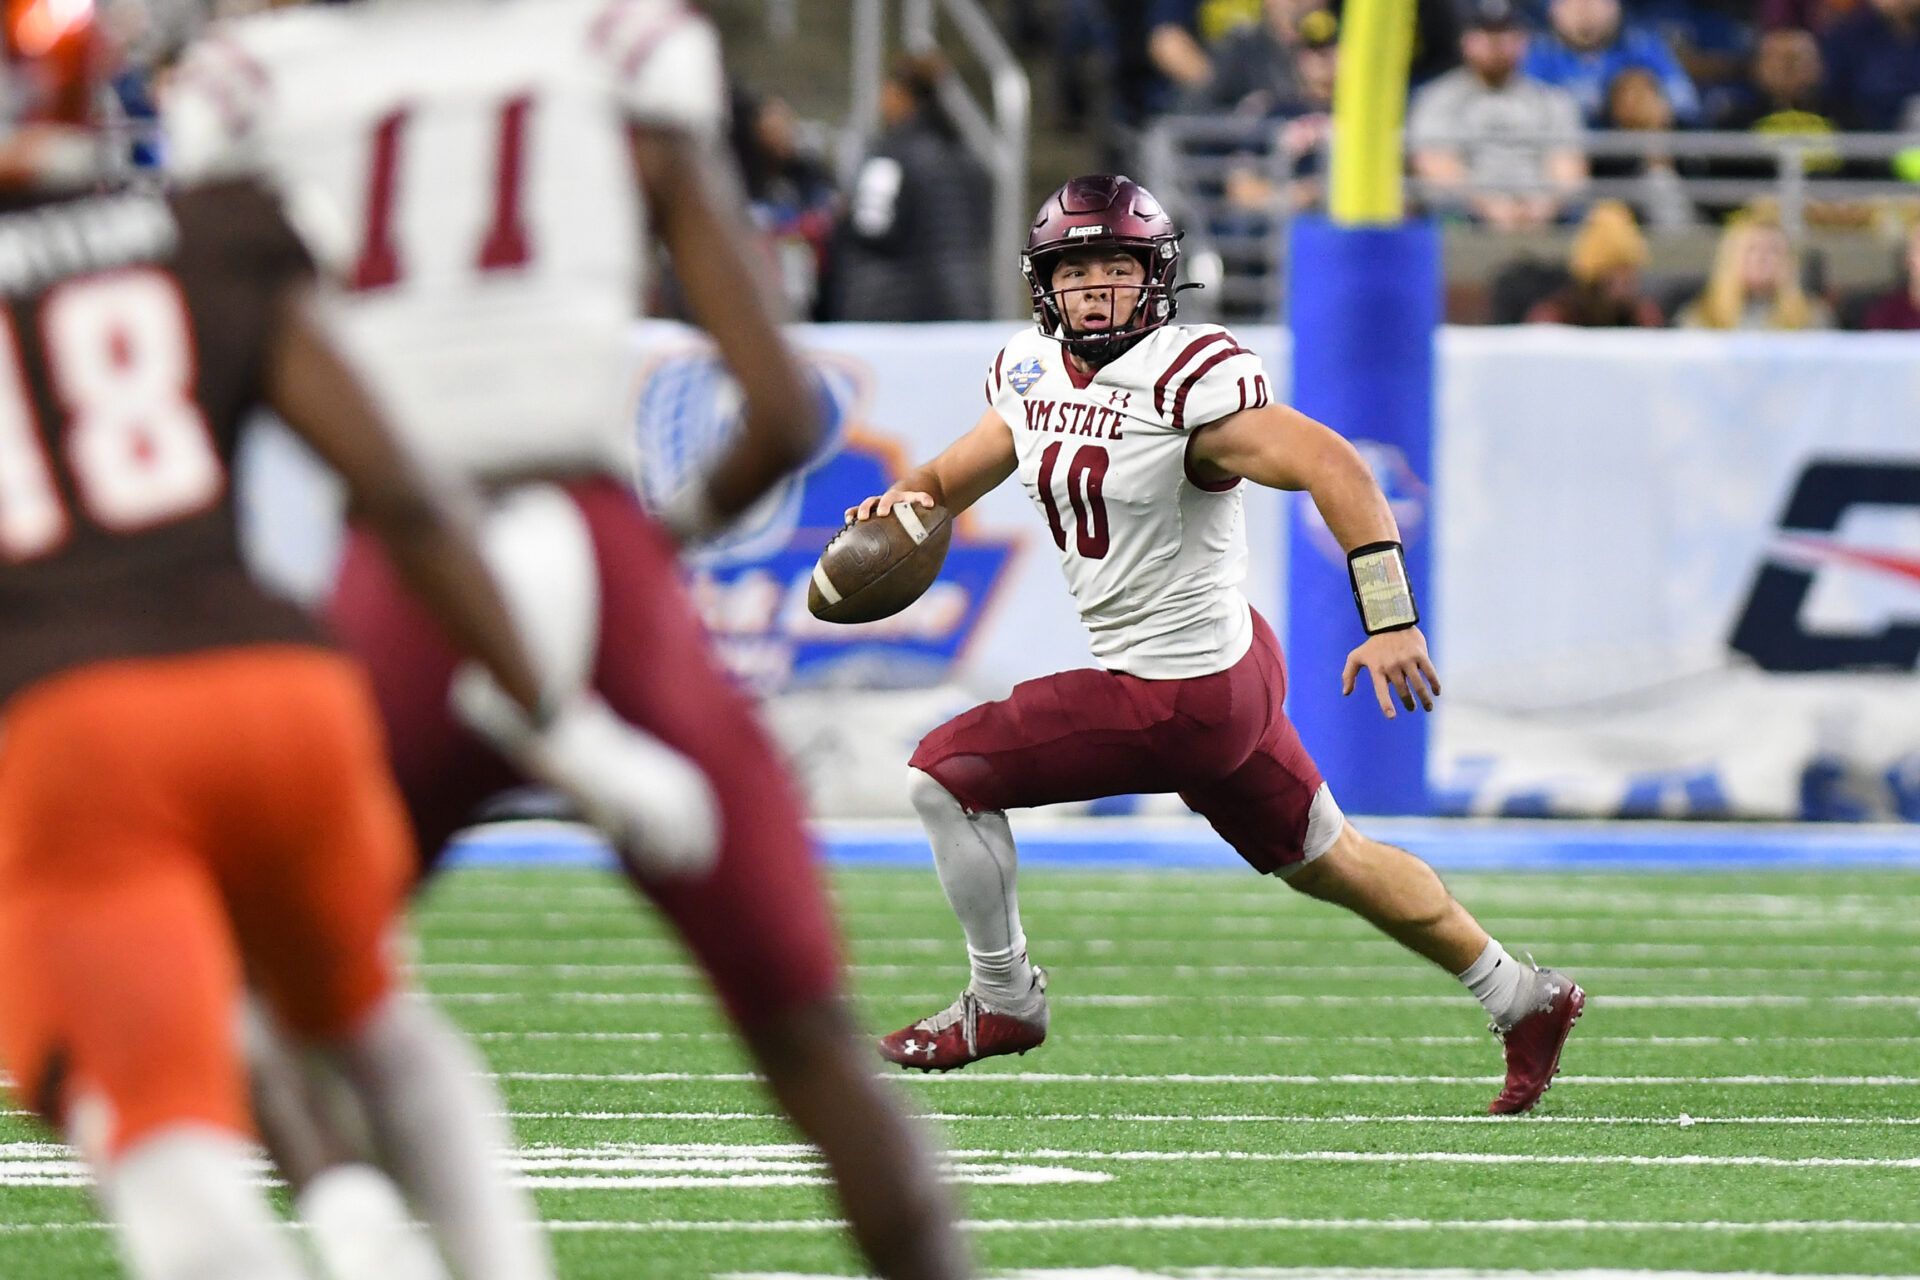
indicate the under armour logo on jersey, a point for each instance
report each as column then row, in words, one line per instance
column 1120, row 399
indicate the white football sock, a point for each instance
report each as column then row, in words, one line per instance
column 1503, row 986
column 362, row 1230
column 187, row 1210
column 974, row 855
column 434, row 1118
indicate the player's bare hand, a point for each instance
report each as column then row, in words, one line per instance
column 1398, row 663
column 883, row 504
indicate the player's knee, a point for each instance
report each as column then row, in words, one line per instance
column 1331, row 846
column 930, row 797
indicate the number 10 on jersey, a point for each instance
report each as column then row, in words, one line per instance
column 1086, row 477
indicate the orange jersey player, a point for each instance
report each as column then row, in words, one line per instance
column 194, row 783
column 497, row 177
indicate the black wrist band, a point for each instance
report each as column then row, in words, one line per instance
column 1381, row 590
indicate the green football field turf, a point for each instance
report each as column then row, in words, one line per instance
column 1238, row 1079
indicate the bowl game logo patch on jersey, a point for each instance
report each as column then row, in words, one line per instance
column 750, row 586
column 1026, row 373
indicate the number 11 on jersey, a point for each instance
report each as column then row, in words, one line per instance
column 506, row 244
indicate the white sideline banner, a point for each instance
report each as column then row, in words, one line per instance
column 1674, row 570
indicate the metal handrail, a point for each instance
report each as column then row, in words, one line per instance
column 999, row 138
column 1188, row 158
column 1795, row 184
column 1001, row 146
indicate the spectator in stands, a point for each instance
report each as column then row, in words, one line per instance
column 1105, row 73
column 1713, row 40
column 1789, row 79
column 1589, row 45
column 1302, row 135
column 1809, row 15
column 1256, row 69
column 1608, row 254
column 1637, row 103
column 1218, row 52
column 790, row 193
column 1755, row 282
column 1182, row 31
column 1899, row 308
column 1462, row 127
column 913, row 242
column 1873, row 66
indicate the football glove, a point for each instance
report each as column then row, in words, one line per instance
column 649, row 799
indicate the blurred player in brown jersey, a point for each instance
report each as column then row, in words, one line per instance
column 193, row 783
column 496, row 178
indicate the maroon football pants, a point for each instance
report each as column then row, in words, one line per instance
column 758, row 922
column 1221, row 741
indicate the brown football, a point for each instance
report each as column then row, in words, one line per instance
column 877, row 567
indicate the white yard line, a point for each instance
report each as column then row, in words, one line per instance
column 1451, row 1158
column 1117, row 1037
column 616, row 1166
column 1227, row 891
column 1292, row 1000
column 1496, row 1226
column 1408, row 969
column 670, row 1165
column 1343, row 1273
column 1231, row 896
column 1681, row 1121
column 1076, row 1077
column 1196, row 1223
column 1075, row 924
column 1798, row 952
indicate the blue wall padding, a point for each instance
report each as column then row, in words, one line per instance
column 1363, row 307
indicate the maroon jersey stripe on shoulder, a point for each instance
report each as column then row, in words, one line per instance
column 997, row 384
column 643, row 49
column 1193, row 349
column 1180, row 401
column 600, row 30
column 219, row 92
column 245, row 63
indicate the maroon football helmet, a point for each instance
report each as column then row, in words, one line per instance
column 1103, row 211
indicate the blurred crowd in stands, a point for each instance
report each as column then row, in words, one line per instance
column 906, row 241
column 1507, row 127
column 1508, row 101
column 1512, row 108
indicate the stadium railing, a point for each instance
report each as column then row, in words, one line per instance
column 1189, row 161
column 997, row 132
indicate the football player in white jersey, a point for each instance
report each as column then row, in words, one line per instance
column 486, row 180
column 1132, row 434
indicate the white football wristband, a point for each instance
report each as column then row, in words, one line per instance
column 1381, row 590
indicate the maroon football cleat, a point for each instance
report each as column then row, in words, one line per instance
column 1533, row 1044
column 968, row 1030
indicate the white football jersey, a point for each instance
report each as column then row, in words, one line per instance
column 462, row 170
column 1153, row 555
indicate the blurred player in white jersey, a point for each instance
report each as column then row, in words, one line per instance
column 1132, row 435
column 486, row 180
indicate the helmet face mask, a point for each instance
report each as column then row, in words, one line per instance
column 1103, row 214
